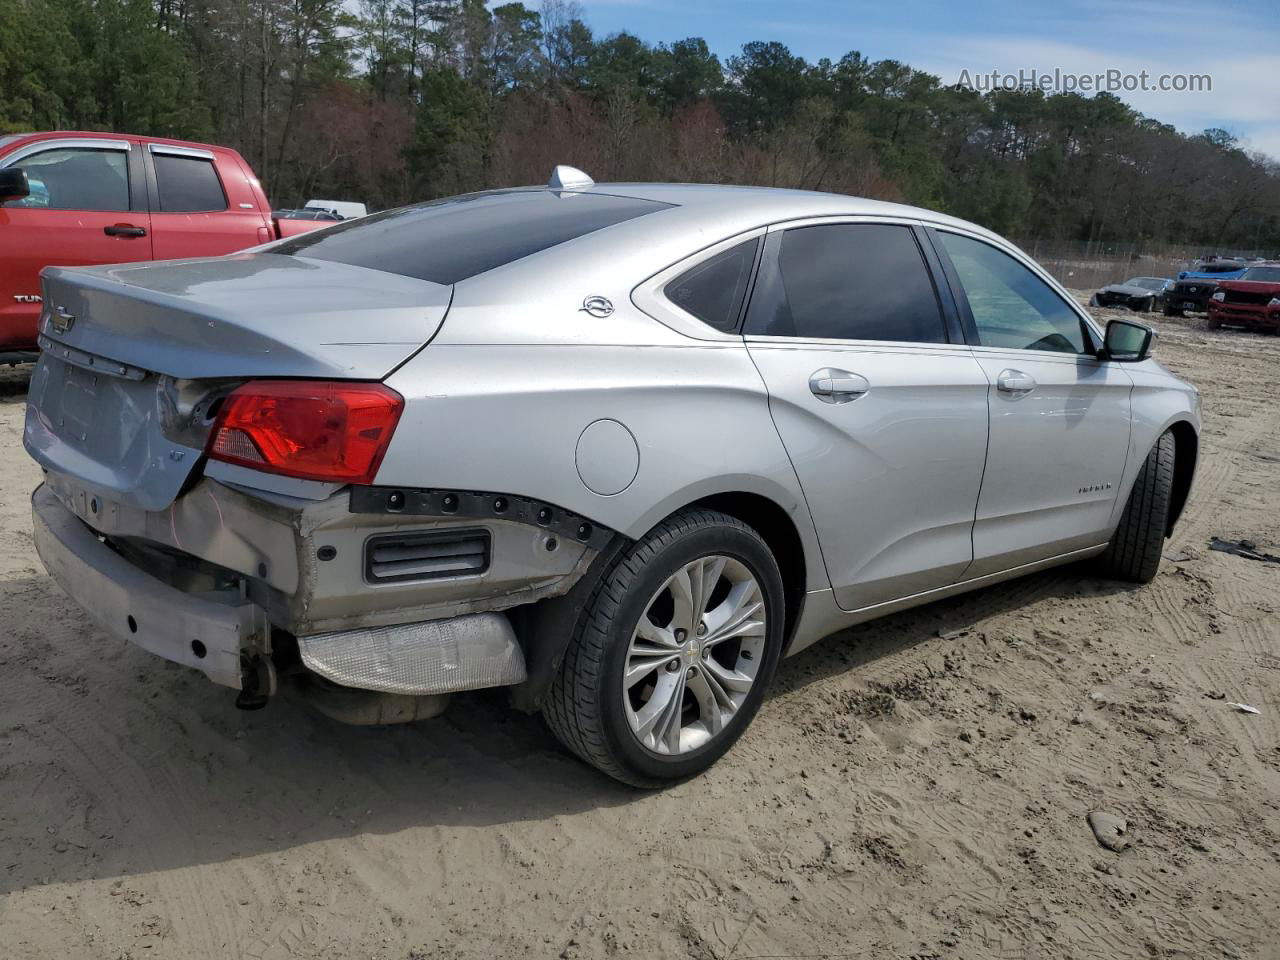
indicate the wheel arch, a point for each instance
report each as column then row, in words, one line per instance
column 779, row 533
column 546, row 627
column 1186, row 453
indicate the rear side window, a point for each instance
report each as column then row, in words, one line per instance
column 846, row 281
column 713, row 291
column 188, row 185
column 446, row 241
column 76, row 178
column 1011, row 306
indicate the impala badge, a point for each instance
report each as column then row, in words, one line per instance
column 599, row 307
column 62, row 321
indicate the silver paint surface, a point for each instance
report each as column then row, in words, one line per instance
column 930, row 481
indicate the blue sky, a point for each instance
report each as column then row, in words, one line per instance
column 1236, row 43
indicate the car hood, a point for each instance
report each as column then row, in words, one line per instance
column 1251, row 286
column 245, row 315
column 1129, row 291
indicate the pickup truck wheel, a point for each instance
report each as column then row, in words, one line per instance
column 1136, row 547
column 1171, row 311
column 1212, row 323
column 673, row 652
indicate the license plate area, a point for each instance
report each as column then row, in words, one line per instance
column 79, row 402
column 105, row 432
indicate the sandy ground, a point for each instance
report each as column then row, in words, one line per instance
column 917, row 788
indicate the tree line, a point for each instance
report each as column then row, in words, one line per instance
column 389, row 101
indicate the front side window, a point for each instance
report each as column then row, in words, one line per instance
column 846, row 281
column 1012, row 307
column 713, row 290
column 76, row 178
column 188, row 185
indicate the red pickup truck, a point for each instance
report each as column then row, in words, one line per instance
column 1253, row 301
column 72, row 199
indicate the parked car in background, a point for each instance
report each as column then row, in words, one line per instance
column 72, row 198
column 343, row 209
column 1252, row 301
column 1193, row 287
column 296, row 214
column 618, row 448
column 1143, row 294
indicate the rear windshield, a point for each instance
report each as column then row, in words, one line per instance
column 446, row 241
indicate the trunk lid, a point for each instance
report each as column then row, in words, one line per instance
column 246, row 315
column 131, row 354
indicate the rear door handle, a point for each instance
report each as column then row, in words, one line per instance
column 124, row 230
column 837, row 386
column 1015, row 382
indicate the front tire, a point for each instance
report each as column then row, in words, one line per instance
column 671, row 657
column 1172, row 311
column 1135, row 549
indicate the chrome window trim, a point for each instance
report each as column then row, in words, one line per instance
column 648, row 297
column 1007, row 248
column 859, row 346
column 68, row 143
column 168, row 150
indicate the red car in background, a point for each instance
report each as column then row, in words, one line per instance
column 76, row 199
column 1252, row 301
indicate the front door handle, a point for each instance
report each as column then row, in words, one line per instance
column 124, row 230
column 1015, row 382
column 837, row 386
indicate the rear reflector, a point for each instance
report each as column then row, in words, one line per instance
column 311, row 429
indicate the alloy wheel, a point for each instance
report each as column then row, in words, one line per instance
column 694, row 655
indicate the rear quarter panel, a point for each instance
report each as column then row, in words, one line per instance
column 510, row 419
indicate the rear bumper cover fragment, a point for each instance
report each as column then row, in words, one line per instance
column 206, row 631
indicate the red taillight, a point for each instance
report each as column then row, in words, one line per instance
column 313, row 429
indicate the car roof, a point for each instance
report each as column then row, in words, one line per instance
column 35, row 135
column 694, row 216
column 771, row 204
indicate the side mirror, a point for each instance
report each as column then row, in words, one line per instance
column 1127, row 342
column 13, row 184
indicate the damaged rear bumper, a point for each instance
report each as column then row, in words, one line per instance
column 222, row 581
column 207, row 631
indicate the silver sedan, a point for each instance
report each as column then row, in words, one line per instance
column 618, row 448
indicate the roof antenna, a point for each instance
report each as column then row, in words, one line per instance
column 569, row 178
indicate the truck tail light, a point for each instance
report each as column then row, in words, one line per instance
column 311, row 429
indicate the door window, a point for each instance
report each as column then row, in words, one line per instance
column 846, row 281
column 1011, row 306
column 188, row 185
column 713, row 290
column 76, row 178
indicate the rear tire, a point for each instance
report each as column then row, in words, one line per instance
column 1135, row 548
column 598, row 715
